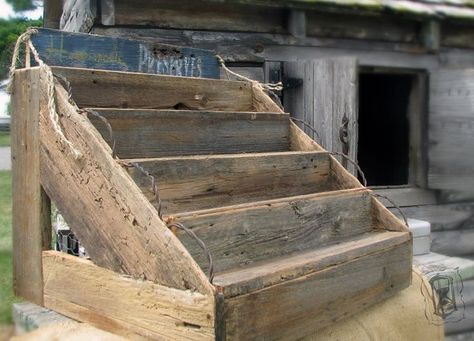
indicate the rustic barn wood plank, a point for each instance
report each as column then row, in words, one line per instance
column 451, row 130
column 142, row 133
column 140, row 243
column 239, row 236
column 327, row 101
column 264, row 274
column 301, row 306
column 134, row 90
column 77, row 15
column 297, row 23
column 53, row 10
column 258, row 47
column 212, row 16
column 208, row 181
column 121, row 54
column 29, row 220
column 75, row 287
column 457, row 35
column 374, row 28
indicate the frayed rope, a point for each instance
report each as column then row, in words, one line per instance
column 25, row 39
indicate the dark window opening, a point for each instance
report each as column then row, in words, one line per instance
column 384, row 132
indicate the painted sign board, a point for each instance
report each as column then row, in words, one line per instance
column 60, row 48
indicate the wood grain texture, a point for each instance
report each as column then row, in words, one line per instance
column 451, row 130
column 109, row 53
column 154, row 133
column 327, row 101
column 134, row 90
column 120, row 230
column 299, row 307
column 243, row 235
column 264, row 274
column 212, row 15
column 81, row 290
column 209, row 181
column 28, row 219
column 258, row 47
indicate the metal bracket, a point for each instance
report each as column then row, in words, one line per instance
column 290, row 83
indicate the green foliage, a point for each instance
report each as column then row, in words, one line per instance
column 6, row 290
column 10, row 29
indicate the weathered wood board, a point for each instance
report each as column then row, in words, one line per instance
column 95, row 195
column 327, row 101
column 137, row 90
column 30, row 214
column 132, row 308
column 209, row 181
column 451, row 130
column 324, row 295
column 59, row 48
column 142, row 133
column 241, row 235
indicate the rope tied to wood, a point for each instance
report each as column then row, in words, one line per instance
column 25, row 39
column 264, row 86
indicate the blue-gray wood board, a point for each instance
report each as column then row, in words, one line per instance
column 61, row 48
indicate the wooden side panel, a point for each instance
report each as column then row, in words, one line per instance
column 30, row 207
column 116, row 224
column 202, row 182
column 243, row 235
column 451, row 130
column 300, row 307
column 132, row 308
column 135, row 90
column 327, row 101
column 152, row 133
column 100, row 52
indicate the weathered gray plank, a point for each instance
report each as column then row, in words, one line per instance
column 53, row 10
column 208, row 181
column 28, row 215
column 94, row 194
column 300, row 307
column 451, row 130
column 59, row 48
column 239, row 236
column 134, row 90
column 258, row 47
column 212, row 15
column 142, row 133
column 327, row 101
column 263, row 274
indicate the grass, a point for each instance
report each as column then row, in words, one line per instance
column 4, row 139
column 6, row 291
